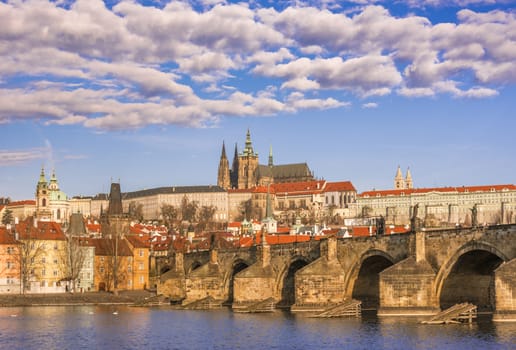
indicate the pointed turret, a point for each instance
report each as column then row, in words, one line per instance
column 271, row 163
column 399, row 182
column 223, row 178
column 408, row 179
column 42, row 178
column 53, row 185
column 248, row 150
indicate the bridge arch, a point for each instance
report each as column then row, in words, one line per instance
column 193, row 266
column 285, row 282
column 362, row 281
column 468, row 275
column 236, row 266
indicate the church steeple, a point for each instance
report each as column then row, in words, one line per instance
column 408, row 179
column 223, row 179
column 53, row 185
column 270, row 156
column 399, row 182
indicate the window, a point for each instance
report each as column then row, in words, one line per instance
column 55, row 261
column 43, row 272
column 140, row 266
column 129, row 268
column 10, row 250
column 101, row 269
column 43, row 260
column 55, row 273
column 142, row 279
column 141, row 253
column 10, row 265
column 55, row 246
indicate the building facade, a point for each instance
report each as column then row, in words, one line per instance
column 445, row 206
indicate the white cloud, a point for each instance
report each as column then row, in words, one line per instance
column 13, row 157
column 136, row 65
column 370, row 105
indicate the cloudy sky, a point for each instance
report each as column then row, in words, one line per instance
column 145, row 92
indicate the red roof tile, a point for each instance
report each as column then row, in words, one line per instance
column 463, row 189
column 45, row 230
column 339, row 186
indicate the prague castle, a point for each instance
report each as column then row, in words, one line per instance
column 246, row 172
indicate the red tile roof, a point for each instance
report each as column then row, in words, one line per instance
column 339, row 186
column 138, row 241
column 106, row 247
column 24, row 202
column 463, row 189
column 45, row 230
column 304, row 187
column 7, row 237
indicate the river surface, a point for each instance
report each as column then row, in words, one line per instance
column 103, row 327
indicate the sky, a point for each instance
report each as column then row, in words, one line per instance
column 145, row 92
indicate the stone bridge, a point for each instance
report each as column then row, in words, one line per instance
column 406, row 274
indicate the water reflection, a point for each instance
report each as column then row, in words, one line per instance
column 165, row 328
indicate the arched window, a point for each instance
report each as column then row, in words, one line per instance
column 44, row 202
column 58, row 214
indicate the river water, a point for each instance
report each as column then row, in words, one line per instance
column 103, row 327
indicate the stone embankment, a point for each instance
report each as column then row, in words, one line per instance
column 90, row 298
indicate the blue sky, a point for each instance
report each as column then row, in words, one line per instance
column 145, row 92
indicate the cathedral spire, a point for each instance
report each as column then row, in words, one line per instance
column 223, row 177
column 270, row 156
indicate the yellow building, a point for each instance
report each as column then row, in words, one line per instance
column 113, row 264
column 42, row 256
column 140, row 271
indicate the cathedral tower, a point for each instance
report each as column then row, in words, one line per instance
column 247, row 165
column 223, row 178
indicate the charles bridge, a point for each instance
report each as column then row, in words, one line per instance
column 415, row 273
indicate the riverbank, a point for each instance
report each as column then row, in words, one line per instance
column 87, row 298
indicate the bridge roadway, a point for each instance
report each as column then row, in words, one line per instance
column 405, row 274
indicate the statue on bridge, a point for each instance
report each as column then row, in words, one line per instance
column 414, row 221
column 474, row 213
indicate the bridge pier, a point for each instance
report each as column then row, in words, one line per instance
column 256, row 283
column 406, row 288
column 505, row 295
column 172, row 282
column 321, row 283
column 206, row 281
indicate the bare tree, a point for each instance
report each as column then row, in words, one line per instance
column 189, row 209
column 135, row 211
column 206, row 217
column 113, row 268
column 29, row 255
column 170, row 215
column 72, row 260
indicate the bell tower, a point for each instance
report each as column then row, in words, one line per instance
column 42, row 198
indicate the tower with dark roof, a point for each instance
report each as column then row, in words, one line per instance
column 223, row 177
